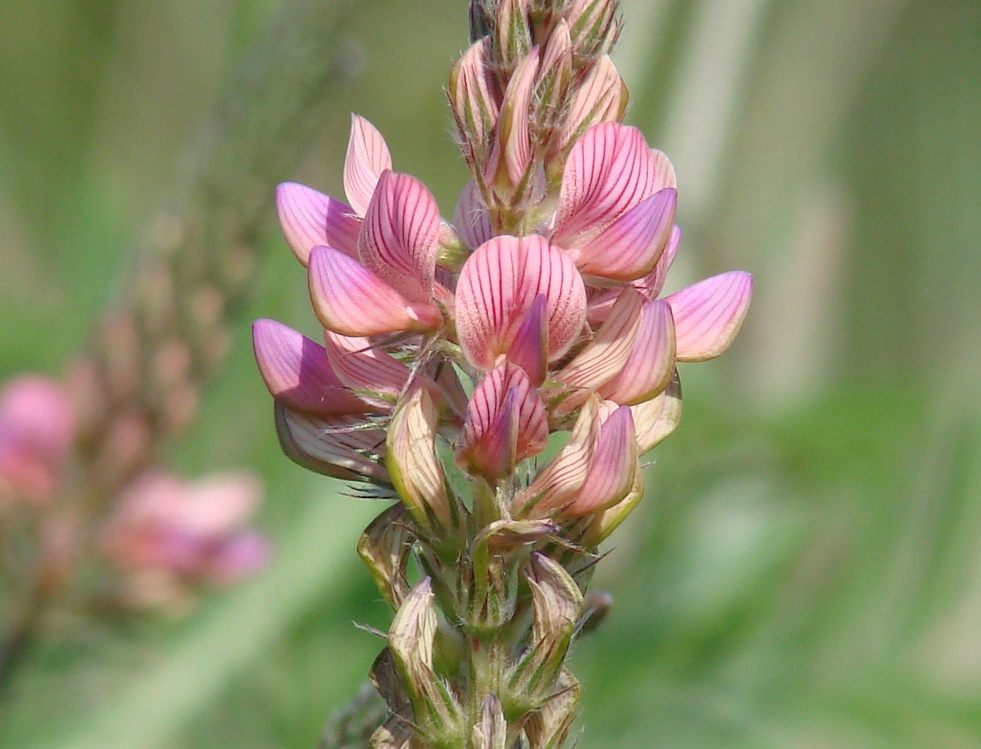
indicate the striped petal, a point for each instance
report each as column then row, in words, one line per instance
column 651, row 284
column 513, row 125
column 610, row 169
column 400, row 236
column 309, row 218
column 599, row 98
column 351, row 300
column 648, row 369
column 416, row 471
column 339, row 447
column 497, row 288
column 505, row 423
column 470, row 217
column 556, row 484
column 364, row 367
column 367, row 157
column 707, row 315
column 297, row 372
column 613, row 467
column 604, row 357
column 656, row 418
column 630, row 247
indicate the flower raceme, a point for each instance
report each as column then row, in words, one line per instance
column 558, row 329
column 499, row 375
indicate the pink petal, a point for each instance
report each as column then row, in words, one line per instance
column 557, row 482
column 648, row 369
column 505, row 423
column 630, row 246
column 239, row 558
column 339, row 447
column 529, row 350
column 351, row 300
column 309, row 218
column 365, row 368
column 707, row 315
column 655, row 419
column 470, row 217
column 605, row 355
column 297, row 372
column 651, row 284
column 600, row 97
column 400, row 236
column 367, row 157
column 610, row 169
column 37, row 420
column 497, row 287
column 611, row 472
column 513, row 125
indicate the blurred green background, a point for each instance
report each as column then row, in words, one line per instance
column 805, row 572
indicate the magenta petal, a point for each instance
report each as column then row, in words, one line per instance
column 630, row 246
column 367, row 157
column 351, row 300
column 363, row 367
column 470, row 217
column 707, row 315
column 497, row 287
column 651, row 284
column 530, row 346
column 611, row 473
column 648, row 369
column 297, row 372
column 309, row 218
column 505, row 423
column 400, row 236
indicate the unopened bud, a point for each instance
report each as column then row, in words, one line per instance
column 548, row 726
column 491, row 730
column 593, row 26
column 475, row 103
column 514, row 38
column 385, row 547
column 416, row 472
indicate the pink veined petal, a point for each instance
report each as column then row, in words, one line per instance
column 367, row 157
column 514, row 121
column 651, row 284
column 558, row 481
column 648, row 369
column 610, row 169
column 529, row 350
column 351, row 300
column 630, row 247
column 400, row 236
column 603, row 358
column 363, row 367
column 470, row 217
column 707, row 315
column 337, row 447
column 505, row 423
column 309, row 218
column 497, row 287
column 297, row 372
column 656, row 418
column 600, row 97
column 611, row 472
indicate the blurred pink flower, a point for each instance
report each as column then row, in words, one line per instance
column 187, row 532
column 37, row 426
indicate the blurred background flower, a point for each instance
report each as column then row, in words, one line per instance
column 806, row 569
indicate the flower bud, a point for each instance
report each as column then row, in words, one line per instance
column 384, row 548
column 548, row 726
column 490, row 731
column 557, row 605
column 475, row 106
column 416, row 472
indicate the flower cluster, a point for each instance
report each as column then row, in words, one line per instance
column 163, row 537
column 455, row 353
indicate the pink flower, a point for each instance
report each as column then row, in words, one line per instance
column 37, row 426
column 189, row 532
